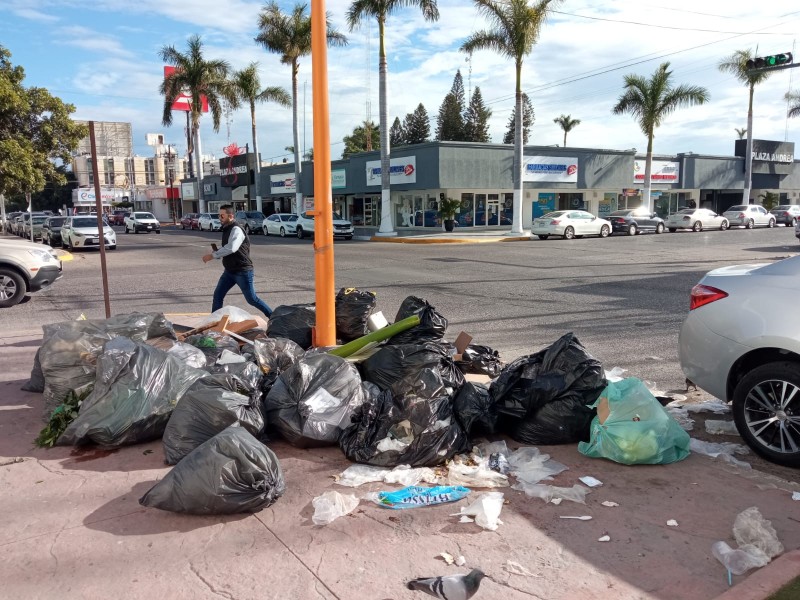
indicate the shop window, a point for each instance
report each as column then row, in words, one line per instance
column 466, row 216
column 404, row 211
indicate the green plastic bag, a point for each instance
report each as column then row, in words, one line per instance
column 637, row 430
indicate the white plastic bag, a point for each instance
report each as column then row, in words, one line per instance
column 716, row 427
column 480, row 475
column 751, row 528
column 548, row 493
column 485, row 509
column 331, row 505
column 356, row 475
column 529, row 465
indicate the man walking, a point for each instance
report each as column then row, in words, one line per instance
column 235, row 255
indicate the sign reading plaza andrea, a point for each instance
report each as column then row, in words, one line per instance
column 769, row 156
column 562, row 169
column 401, row 170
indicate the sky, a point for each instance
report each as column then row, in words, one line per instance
column 102, row 57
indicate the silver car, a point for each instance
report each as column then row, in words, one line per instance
column 252, row 221
column 281, row 224
column 788, row 214
column 741, row 343
column 696, row 219
column 209, row 222
column 749, row 216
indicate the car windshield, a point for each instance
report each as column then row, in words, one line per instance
column 39, row 220
column 84, row 222
column 56, row 222
column 783, row 207
column 254, row 215
column 686, row 211
column 554, row 215
column 733, row 208
column 620, row 213
column 337, row 217
column 144, row 216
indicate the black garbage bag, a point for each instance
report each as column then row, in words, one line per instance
column 212, row 344
column 312, row 401
column 274, row 356
column 212, row 404
column 247, row 374
column 562, row 421
column 353, row 310
column 563, row 372
column 230, row 473
column 475, row 409
column 432, row 325
column 293, row 322
column 411, row 424
column 396, row 363
column 136, row 388
column 36, row 381
column 481, row 360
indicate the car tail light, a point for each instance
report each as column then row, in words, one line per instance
column 742, row 215
column 687, row 218
column 705, row 294
column 555, row 222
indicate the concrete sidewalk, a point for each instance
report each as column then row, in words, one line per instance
column 72, row 527
column 467, row 235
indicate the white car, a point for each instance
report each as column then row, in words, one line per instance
column 25, row 267
column 281, row 224
column 305, row 226
column 570, row 224
column 696, row 219
column 749, row 216
column 209, row 222
column 740, row 343
column 142, row 221
column 82, row 232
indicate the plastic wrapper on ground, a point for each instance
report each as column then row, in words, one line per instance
column 529, row 465
column 417, row 496
column 209, row 406
column 312, row 401
column 331, row 505
column 751, row 528
column 293, row 322
column 485, row 510
column 230, row 473
column 353, row 309
column 136, row 389
column 432, row 325
column 481, row 360
column 548, row 493
column 395, row 363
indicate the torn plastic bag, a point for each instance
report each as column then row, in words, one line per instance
column 633, row 428
column 312, row 401
column 331, row 505
column 353, row 309
column 293, row 322
column 136, row 389
column 212, row 404
column 481, row 360
column 398, row 362
column 36, row 381
column 246, row 373
column 432, row 325
column 577, row 493
column 274, row 356
column 474, row 408
column 191, row 356
column 230, row 473
column 485, row 510
column 212, row 344
column 751, row 528
column 410, row 424
column 69, row 350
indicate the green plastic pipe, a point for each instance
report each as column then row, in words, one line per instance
column 376, row 336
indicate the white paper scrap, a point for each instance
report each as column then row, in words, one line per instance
column 605, row 538
column 590, row 481
column 672, row 523
column 609, row 503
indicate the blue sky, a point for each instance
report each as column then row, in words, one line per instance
column 102, row 56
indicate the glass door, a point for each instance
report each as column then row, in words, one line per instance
column 493, row 210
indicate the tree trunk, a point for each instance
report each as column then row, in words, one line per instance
column 748, row 154
column 199, row 154
column 386, row 227
column 565, row 138
column 516, row 222
column 257, row 158
column 648, row 169
column 298, row 195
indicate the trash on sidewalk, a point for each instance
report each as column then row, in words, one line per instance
column 474, row 475
column 609, row 503
column 293, row 322
column 475, row 409
column 672, row 523
column 446, row 557
column 631, row 427
column 393, row 364
column 590, row 481
column 485, row 509
column 478, row 359
column 721, row 427
column 432, row 325
column 247, row 375
column 230, row 473
column 356, row 475
column 515, row 568
column 353, row 310
column 548, row 493
column 274, row 356
column 213, row 344
column 416, row 496
column 578, row 518
column 757, row 540
column 62, row 416
column 724, row 451
column 605, row 538
column 795, row 495
column 331, row 505
column 529, row 465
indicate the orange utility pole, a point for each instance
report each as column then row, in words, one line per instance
column 325, row 332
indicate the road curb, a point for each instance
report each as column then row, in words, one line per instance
column 418, row 240
column 767, row 580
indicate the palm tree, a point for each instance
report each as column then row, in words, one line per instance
column 290, row 36
column 741, row 132
column 247, row 88
column 515, row 30
column 567, row 123
column 650, row 101
column 197, row 77
column 793, row 98
column 736, row 65
column 381, row 9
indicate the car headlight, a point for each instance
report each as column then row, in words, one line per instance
column 41, row 254
column 79, row 234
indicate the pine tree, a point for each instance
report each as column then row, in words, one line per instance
column 417, row 126
column 476, row 119
column 365, row 138
column 397, row 135
column 450, row 122
column 527, row 121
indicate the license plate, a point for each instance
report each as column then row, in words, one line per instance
column 149, row 226
column 93, row 241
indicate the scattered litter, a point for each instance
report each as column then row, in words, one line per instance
column 653, row 358
column 721, row 427
column 356, row 475
column 446, row 557
column 331, row 505
column 461, row 561
column 529, row 465
column 590, row 481
column 738, row 561
column 415, row 496
column 672, row 523
column 795, row 495
column 405, row 475
column 609, row 503
column 681, row 415
column 758, row 543
column 486, row 510
column 715, row 406
column 230, row 358
column 466, row 519
column 515, row 568
column 577, row 493
column 556, row 501
column 605, row 538
column 475, row 476
column 723, row 451
column 616, row 374
column 581, row 518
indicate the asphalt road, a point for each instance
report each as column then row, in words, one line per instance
column 624, row 297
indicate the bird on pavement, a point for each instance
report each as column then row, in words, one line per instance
column 449, row 587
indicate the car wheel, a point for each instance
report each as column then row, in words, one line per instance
column 348, row 237
column 158, row 231
column 771, row 223
column 183, row 226
column 12, row 288
column 660, row 228
column 69, row 244
column 794, row 222
column 283, row 232
column 698, row 226
column 569, row 233
column 604, row 231
column 750, row 224
column 300, row 234
column 723, row 226
column 766, row 409
column 112, row 247
column 632, row 230
column 247, row 229
column 672, row 230
column 543, row 237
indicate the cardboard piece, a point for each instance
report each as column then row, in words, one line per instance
column 603, row 410
column 462, row 341
column 478, row 378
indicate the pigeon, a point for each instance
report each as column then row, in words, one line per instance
column 449, row 587
column 690, row 384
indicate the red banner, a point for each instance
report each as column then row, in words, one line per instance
column 184, row 101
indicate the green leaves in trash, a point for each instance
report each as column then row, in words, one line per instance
column 61, row 417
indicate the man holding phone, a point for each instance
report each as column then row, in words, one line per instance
column 238, row 268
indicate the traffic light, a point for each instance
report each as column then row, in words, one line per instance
column 774, row 60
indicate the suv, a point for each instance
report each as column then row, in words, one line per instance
column 749, row 215
column 118, row 217
column 51, row 231
column 25, row 267
column 36, row 223
column 141, row 221
column 305, row 226
column 250, row 220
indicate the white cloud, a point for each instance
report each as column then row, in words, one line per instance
column 35, row 15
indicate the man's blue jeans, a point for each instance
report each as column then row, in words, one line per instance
column 244, row 279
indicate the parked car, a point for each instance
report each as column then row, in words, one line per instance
column 280, row 224
column 305, row 226
column 142, row 221
column 82, row 232
column 788, row 214
column 25, row 267
column 117, row 217
column 635, row 220
column 797, row 230
column 51, row 231
column 190, row 220
column 209, row 222
column 250, row 220
column 16, row 225
column 696, row 219
column 749, row 216
column 570, row 224
column 9, row 220
column 35, row 223
column 740, row 344
column 24, row 226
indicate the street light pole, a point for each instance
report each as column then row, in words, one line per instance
column 170, row 154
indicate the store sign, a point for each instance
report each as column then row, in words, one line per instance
column 660, row 171
column 768, row 151
column 210, row 188
column 560, row 169
column 282, row 184
column 183, row 101
column 86, row 196
column 338, row 179
column 234, row 171
column 156, row 193
column 401, row 170
column 188, row 190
